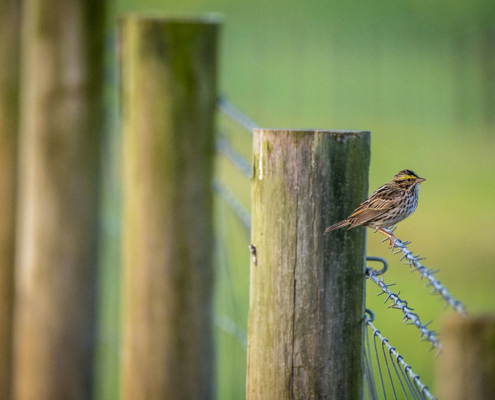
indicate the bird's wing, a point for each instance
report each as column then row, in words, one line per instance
column 370, row 209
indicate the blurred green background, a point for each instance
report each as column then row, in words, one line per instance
column 420, row 75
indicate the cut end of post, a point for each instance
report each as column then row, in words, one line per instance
column 203, row 18
column 341, row 134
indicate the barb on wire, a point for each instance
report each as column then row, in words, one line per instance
column 235, row 114
column 414, row 263
column 224, row 147
column 397, row 359
column 409, row 316
column 233, row 202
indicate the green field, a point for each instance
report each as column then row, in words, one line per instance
column 419, row 75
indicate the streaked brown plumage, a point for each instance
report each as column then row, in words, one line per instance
column 387, row 206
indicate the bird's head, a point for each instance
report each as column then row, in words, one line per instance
column 406, row 180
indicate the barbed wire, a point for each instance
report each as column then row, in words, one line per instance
column 235, row 114
column 396, row 358
column 233, row 202
column 224, row 148
column 414, row 262
column 227, row 150
column 409, row 317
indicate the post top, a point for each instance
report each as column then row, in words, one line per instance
column 340, row 134
column 334, row 132
column 203, row 18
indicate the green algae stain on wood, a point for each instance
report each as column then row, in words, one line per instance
column 169, row 100
column 305, row 282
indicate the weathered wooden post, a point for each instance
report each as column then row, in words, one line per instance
column 466, row 367
column 307, row 290
column 9, row 95
column 61, row 126
column 169, row 101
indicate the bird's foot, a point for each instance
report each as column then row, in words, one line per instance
column 389, row 234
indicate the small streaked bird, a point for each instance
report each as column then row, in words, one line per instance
column 387, row 206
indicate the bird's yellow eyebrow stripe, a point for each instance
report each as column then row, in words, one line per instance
column 404, row 177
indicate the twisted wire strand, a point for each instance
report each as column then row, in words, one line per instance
column 423, row 389
column 409, row 316
column 225, row 148
column 236, row 115
column 414, row 262
column 388, row 370
column 382, row 383
column 368, row 369
column 397, row 373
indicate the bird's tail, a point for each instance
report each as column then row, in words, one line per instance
column 338, row 225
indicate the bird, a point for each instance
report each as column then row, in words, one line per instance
column 387, row 205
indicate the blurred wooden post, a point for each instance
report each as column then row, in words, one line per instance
column 169, row 101
column 61, row 127
column 9, row 106
column 307, row 290
column 466, row 367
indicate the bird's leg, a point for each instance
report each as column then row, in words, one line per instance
column 390, row 235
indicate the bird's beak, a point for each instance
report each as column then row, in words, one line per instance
column 419, row 180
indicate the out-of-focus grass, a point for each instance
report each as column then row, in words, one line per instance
column 231, row 301
column 411, row 73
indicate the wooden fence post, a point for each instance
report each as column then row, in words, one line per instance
column 305, row 327
column 61, row 127
column 9, row 106
column 169, row 103
column 466, row 366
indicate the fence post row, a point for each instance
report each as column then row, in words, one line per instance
column 9, row 109
column 305, row 327
column 169, row 69
column 61, row 127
